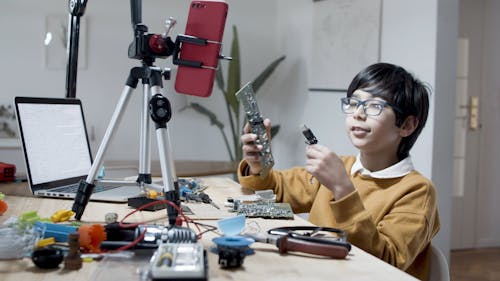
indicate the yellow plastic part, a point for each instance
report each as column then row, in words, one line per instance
column 46, row 242
column 62, row 215
column 152, row 194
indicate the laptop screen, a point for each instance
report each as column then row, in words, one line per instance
column 54, row 139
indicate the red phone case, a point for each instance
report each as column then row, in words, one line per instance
column 206, row 20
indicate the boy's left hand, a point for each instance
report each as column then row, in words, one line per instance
column 328, row 169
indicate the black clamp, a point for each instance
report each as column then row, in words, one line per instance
column 183, row 38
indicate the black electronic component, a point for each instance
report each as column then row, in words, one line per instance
column 308, row 134
column 47, row 257
column 232, row 250
column 136, row 202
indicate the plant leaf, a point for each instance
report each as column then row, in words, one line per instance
column 208, row 113
column 257, row 82
column 274, row 130
column 219, row 78
column 234, row 74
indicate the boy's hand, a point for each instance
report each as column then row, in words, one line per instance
column 251, row 151
column 329, row 170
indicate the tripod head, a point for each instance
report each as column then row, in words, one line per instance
column 147, row 46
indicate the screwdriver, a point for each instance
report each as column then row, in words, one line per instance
column 206, row 199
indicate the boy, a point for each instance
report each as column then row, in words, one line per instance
column 386, row 207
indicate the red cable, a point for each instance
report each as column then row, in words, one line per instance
column 141, row 236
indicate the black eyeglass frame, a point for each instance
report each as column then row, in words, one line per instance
column 345, row 101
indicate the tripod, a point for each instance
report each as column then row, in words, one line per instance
column 146, row 47
column 158, row 107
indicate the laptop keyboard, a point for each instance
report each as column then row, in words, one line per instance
column 73, row 188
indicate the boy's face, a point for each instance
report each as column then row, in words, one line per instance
column 373, row 134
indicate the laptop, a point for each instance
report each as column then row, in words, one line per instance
column 57, row 150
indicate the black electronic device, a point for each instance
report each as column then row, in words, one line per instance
column 308, row 134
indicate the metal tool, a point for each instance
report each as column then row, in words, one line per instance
column 206, row 199
column 200, row 197
column 302, row 239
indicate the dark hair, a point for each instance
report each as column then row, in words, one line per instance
column 397, row 86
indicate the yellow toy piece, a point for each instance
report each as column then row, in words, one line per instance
column 152, row 194
column 46, row 242
column 62, row 215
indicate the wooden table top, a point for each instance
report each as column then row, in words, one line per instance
column 265, row 264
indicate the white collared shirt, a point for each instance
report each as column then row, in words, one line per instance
column 402, row 168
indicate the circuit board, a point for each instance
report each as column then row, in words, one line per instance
column 179, row 261
column 246, row 97
column 267, row 210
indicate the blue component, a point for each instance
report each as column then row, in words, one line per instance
column 183, row 190
column 60, row 232
column 233, row 241
column 101, row 173
column 232, row 226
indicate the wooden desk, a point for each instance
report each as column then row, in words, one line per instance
column 265, row 264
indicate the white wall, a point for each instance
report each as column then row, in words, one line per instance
column 409, row 37
column 109, row 33
column 422, row 37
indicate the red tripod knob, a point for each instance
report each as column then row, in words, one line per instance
column 157, row 44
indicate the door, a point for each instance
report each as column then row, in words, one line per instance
column 476, row 196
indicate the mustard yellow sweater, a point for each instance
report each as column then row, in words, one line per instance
column 392, row 219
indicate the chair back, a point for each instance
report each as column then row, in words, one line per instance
column 439, row 270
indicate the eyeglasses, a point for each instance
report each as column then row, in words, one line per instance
column 371, row 107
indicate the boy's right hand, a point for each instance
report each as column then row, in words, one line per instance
column 251, row 151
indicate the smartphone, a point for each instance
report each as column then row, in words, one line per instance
column 206, row 20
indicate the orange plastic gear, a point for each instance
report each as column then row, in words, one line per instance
column 91, row 237
column 3, row 205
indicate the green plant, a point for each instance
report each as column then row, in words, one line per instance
column 7, row 117
column 229, row 90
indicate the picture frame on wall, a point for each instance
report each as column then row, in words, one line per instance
column 8, row 127
column 345, row 39
column 55, row 41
